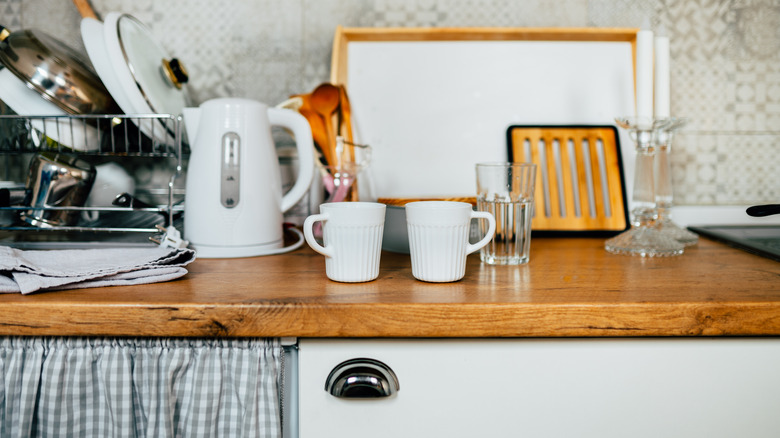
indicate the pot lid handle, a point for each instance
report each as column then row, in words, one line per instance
column 175, row 72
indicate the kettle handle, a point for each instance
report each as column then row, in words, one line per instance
column 302, row 131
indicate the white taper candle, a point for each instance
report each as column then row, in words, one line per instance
column 662, row 75
column 644, row 74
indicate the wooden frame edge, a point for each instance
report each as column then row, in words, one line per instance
column 344, row 35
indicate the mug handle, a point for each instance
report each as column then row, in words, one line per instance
column 488, row 236
column 309, row 235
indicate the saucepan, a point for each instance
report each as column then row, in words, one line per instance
column 44, row 77
column 60, row 181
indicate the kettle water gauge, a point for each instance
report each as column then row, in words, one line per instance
column 231, row 170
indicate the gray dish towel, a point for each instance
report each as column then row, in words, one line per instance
column 30, row 271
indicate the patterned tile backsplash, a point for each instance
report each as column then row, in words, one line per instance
column 725, row 61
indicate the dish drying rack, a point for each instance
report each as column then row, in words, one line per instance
column 123, row 139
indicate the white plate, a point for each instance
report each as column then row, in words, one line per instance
column 68, row 132
column 132, row 70
column 93, row 35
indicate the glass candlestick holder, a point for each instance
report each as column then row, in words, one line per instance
column 664, row 193
column 643, row 239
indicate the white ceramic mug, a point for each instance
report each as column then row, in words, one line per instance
column 439, row 238
column 111, row 181
column 352, row 239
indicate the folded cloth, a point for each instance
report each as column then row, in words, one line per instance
column 30, row 271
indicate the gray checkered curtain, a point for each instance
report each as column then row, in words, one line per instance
column 85, row 387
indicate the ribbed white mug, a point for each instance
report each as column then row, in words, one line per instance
column 439, row 238
column 352, row 239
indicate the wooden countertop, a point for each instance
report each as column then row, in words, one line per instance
column 572, row 287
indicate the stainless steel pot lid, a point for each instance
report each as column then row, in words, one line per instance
column 55, row 71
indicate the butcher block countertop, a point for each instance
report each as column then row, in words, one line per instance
column 572, row 287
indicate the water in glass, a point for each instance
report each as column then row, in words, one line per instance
column 512, row 240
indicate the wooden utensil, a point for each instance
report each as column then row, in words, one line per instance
column 85, row 9
column 325, row 101
column 345, row 130
column 345, row 122
column 317, row 126
column 345, row 127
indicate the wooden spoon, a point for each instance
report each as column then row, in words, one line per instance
column 315, row 122
column 346, row 117
column 345, row 129
column 325, row 101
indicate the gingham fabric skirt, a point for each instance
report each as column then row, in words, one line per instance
column 85, row 387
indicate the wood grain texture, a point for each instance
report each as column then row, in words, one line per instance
column 572, row 287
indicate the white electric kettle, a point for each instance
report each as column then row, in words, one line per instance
column 234, row 202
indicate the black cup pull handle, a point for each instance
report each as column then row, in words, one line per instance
column 362, row 378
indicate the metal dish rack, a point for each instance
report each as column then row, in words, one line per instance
column 124, row 139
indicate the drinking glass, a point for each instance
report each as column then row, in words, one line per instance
column 339, row 177
column 506, row 190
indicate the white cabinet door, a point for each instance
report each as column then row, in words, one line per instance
column 620, row 388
